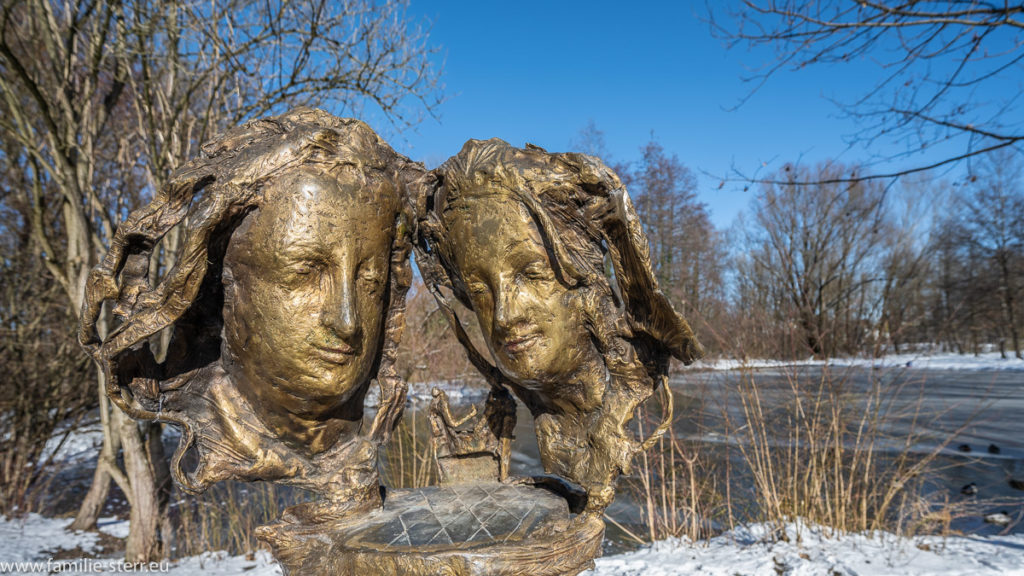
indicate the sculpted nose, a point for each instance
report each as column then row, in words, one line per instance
column 506, row 307
column 338, row 312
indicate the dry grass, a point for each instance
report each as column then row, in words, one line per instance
column 813, row 445
column 681, row 486
column 677, row 489
column 226, row 516
column 408, row 460
column 821, row 451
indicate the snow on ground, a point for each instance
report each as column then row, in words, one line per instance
column 458, row 391
column 114, row 526
column 35, row 541
column 82, row 443
column 984, row 361
column 745, row 551
column 420, row 392
column 33, row 537
column 38, row 544
column 220, row 564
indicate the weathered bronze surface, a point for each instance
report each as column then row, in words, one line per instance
column 472, row 529
column 521, row 237
column 287, row 302
column 480, row 452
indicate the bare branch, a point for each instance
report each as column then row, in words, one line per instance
column 941, row 63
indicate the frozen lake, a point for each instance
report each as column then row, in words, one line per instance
column 947, row 411
column 951, row 411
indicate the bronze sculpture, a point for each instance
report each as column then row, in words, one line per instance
column 287, row 301
column 520, row 236
column 287, row 298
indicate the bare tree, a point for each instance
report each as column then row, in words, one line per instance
column 945, row 303
column 104, row 99
column 430, row 350
column 813, row 250
column 687, row 252
column 907, row 261
column 45, row 375
column 590, row 140
column 690, row 256
column 940, row 64
column 760, row 323
column 993, row 219
column 965, row 316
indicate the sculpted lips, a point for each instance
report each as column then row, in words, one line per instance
column 521, row 342
column 336, row 353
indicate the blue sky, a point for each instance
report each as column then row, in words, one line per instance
column 537, row 72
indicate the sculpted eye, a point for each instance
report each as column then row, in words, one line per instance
column 303, row 268
column 370, row 273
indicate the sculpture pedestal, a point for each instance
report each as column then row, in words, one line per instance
column 478, row 529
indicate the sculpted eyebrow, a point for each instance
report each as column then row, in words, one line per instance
column 299, row 249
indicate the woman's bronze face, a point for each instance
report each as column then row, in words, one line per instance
column 531, row 323
column 305, row 288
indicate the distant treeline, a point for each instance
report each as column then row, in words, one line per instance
column 826, row 262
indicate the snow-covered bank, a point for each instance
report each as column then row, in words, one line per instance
column 37, row 538
column 744, row 551
column 39, row 544
column 985, row 361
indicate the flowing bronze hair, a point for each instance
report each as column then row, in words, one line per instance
column 209, row 197
column 583, row 213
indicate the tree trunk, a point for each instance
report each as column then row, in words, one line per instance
column 92, row 506
column 811, row 332
column 146, row 483
column 164, row 486
column 143, row 543
column 1008, row 304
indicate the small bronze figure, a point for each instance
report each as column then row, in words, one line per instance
column 521, row 237
column 482, row 452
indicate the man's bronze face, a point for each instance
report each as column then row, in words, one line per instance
column 534, row 330
column 305, row 287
